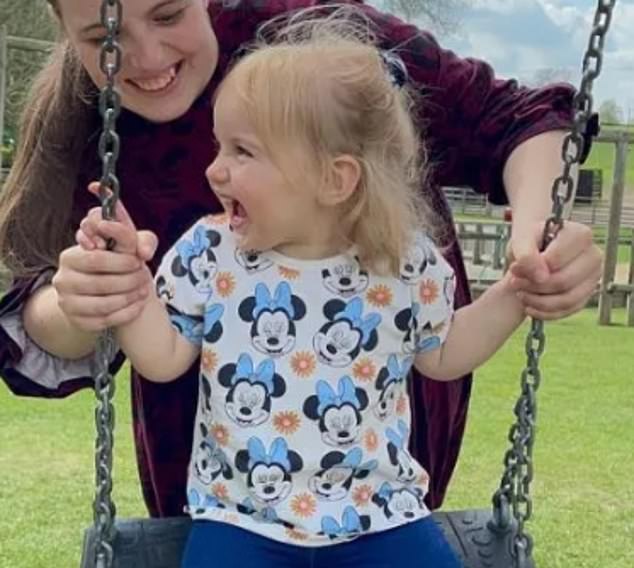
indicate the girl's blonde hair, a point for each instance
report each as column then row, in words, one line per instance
column 321, row 89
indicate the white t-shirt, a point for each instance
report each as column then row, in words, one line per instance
column 303, row 420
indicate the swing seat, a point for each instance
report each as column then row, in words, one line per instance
column 158, row 543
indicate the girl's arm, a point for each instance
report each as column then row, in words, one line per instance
column 477, row 331
column 154, row 347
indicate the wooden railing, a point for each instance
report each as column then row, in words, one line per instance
column 464, row 201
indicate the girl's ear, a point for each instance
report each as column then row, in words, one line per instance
column 345, row 175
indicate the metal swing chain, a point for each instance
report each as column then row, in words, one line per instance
column 109, row 108
column 514, row 491
column 513, row 495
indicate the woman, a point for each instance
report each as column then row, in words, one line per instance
column 479, row 131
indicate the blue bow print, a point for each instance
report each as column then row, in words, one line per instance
column 190, row 328
column 428, row 344
column 194, row 499
column 328, row 397
column 187, row 249
column 212, row 317
column 264, row 373
column 278, row 454
column 353, row 312
column 269, row 515
column 353, row 459
column 385, row 491
column 351, row 523
column 398, row 372
column 400, row 441
column 281, row 301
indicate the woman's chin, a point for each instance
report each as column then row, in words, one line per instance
column 159, row 113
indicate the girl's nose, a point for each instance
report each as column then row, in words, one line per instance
column 217, row 173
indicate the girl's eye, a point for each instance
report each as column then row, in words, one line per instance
column 168, row 19
column 242, row 151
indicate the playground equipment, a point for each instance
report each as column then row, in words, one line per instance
column 494, row 538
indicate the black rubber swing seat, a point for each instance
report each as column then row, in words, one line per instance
column 158, row 543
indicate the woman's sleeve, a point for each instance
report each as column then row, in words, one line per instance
column 25, row 367
column 471, row 119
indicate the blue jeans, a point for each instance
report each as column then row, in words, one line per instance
column 420, row 544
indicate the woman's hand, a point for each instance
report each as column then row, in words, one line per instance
column 560, row 280
column 99, row 289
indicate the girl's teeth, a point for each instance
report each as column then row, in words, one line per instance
column 156, row 83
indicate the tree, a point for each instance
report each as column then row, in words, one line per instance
column 27, row 18
column 610, row 112
column 442, row 15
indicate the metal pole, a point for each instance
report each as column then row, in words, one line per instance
column 4, row 63
column 630, row 280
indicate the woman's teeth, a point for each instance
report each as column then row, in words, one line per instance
column 156, row 83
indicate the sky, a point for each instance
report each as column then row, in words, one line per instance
column 521, row 37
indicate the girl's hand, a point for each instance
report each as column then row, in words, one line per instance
column 97, row 288
column 94, row 232
column 560, row 280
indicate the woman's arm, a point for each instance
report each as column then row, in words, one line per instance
column 26, row 368
column 90, row 291
column 559, row 281
column 476, row 332
column 48, row 327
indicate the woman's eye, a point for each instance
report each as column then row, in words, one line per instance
column 167, row 19
column 98, row 41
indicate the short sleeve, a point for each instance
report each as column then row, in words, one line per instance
column 184, row 280
column 433, row 292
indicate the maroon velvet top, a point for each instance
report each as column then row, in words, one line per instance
column 472, row 123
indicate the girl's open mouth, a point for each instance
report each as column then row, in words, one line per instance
column 239, row 217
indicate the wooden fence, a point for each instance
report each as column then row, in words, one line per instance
column 8, row 42
column 464, row 201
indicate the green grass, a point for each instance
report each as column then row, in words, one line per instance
column 583, row 497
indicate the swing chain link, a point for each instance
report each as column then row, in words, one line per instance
column 109, row 108
column 513, row 495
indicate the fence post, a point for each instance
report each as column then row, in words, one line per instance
column 4, row 64
column 477, row 245
column 630, row 281
column 499, row 247
column 614, row 226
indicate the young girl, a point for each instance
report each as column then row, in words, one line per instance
column 309, row 301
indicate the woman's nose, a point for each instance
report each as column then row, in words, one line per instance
column 146, row 52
